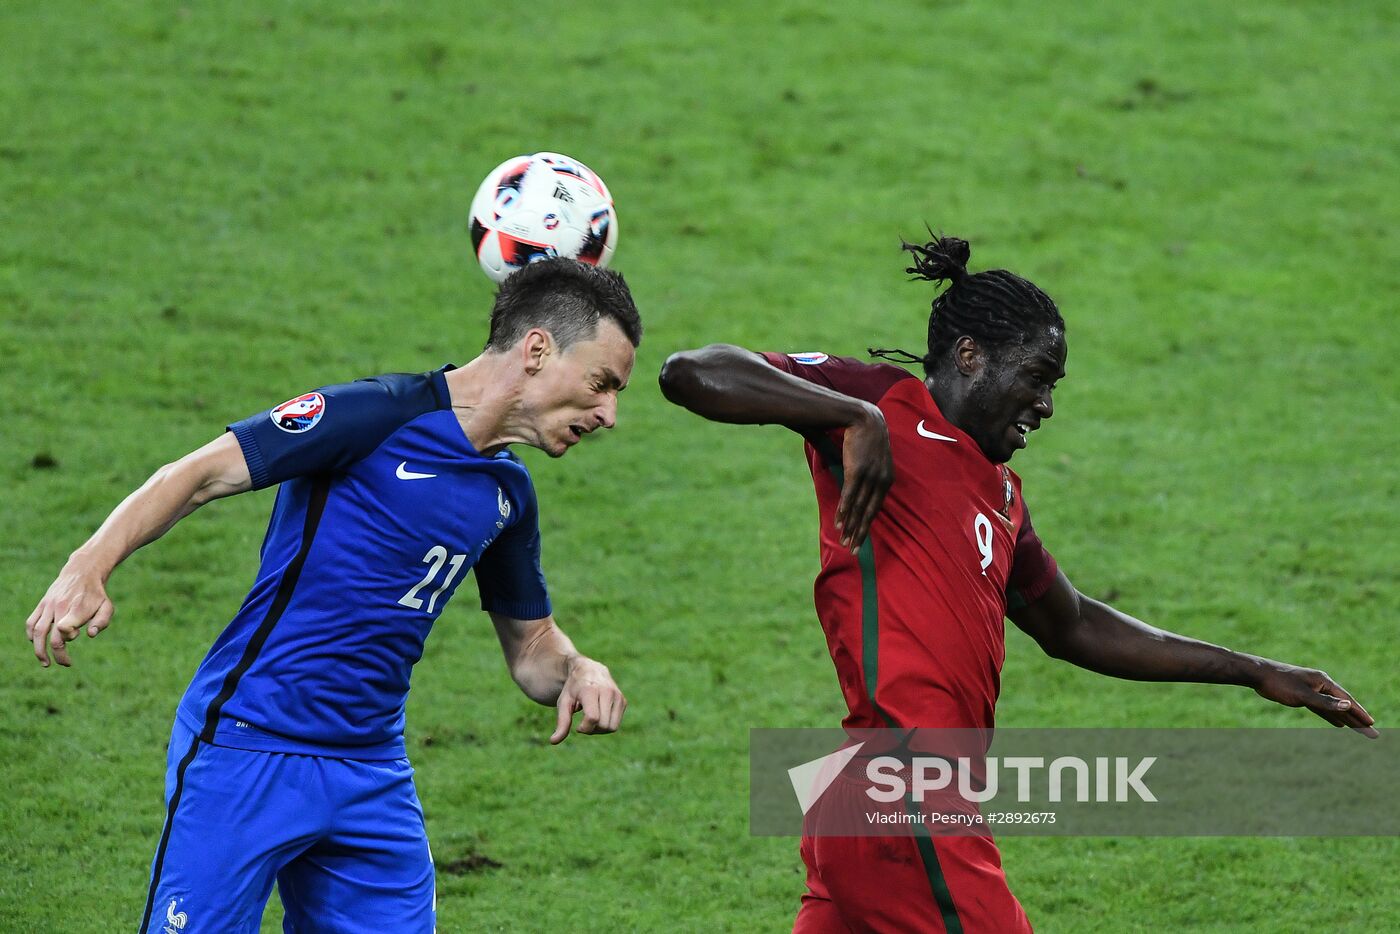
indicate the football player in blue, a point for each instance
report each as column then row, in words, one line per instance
column 287, row 759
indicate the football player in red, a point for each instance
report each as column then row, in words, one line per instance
column 926, row 546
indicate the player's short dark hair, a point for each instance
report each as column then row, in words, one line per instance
column 996, row 308
column 566, row 298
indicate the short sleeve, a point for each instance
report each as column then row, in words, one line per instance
column 1033, row 568
column 330, row 428
column 846, row 375
column 508, row 573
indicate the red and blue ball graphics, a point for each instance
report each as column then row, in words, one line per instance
column 539, row 206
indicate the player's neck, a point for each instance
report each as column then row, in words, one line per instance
column 484, row 394
column 949, row 398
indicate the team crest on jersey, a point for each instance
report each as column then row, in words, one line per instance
column 299, row 414
column 1008, row 495
column 811, row 359
column 503, row 505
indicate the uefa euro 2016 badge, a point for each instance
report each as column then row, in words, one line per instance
column 299, row 414
column 811, row 359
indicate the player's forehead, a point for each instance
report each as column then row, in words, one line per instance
column 607, row 355
column 1046, row 351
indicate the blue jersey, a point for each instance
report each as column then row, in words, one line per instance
column 384, row 506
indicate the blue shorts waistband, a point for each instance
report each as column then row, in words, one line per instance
column 239, row 734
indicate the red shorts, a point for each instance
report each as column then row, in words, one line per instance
column 909, row 882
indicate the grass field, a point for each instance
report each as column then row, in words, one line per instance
column 207, row 208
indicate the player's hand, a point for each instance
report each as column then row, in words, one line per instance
column 591, row 689
column 1307, row 687
column 868, row 468
column 76, row 600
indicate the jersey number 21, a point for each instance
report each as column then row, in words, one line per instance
column 436, row 557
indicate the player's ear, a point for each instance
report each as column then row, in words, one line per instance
column 967, row 356
column 536, row 347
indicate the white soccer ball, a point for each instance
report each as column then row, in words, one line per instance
column 534, row 207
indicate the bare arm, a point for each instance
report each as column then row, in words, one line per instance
column 547, row 667
column 724, row 383
column 77, row 598
column 1093, row 635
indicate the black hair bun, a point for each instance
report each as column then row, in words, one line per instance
column 943, row 259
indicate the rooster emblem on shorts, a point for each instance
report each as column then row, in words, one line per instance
column 175, row 921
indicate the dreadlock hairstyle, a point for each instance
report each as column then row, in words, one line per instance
column 995, row 308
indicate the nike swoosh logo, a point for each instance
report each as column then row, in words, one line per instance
column 403, row 473
column 933, row 434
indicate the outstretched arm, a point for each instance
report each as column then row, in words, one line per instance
column 1093, row 635
column 77, row 598
column 547, row 667
column 725, row 383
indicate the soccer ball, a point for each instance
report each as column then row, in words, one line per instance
column 533, row 207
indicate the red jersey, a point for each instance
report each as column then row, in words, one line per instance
column 915, row 621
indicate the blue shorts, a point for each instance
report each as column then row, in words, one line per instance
column 343, row 839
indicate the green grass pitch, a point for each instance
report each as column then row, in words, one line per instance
column 207, row 208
